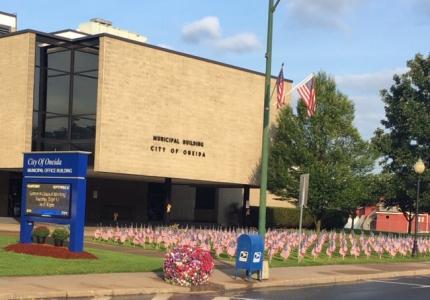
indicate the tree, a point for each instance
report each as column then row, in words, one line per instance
column 327, row 146
column 406, row 136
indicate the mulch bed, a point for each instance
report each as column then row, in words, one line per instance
column 48, row 250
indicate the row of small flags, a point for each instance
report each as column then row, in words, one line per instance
column 306, row 89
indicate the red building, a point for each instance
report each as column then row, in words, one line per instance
column 396, row 222
column 389, row 220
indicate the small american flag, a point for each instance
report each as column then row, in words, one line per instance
column 308, row 95
column 280, row 88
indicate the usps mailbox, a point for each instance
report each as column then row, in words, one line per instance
column 250, row 254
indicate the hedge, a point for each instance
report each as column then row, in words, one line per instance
column 289, row 218
column 282, row 217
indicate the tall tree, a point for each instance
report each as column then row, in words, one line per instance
column 406, row 136
column 327, row 146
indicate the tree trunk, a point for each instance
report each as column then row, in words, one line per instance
column 410, row 225
column 318, row 226
column 409, row 219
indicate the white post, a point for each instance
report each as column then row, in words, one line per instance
column 303, row 200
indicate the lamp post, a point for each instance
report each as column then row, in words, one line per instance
column 266, row 123
column 419, row 168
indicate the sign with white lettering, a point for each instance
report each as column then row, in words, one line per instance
column 53, row 165
column 54, row 191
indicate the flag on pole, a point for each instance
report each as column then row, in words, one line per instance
column 280, row 88
column 307, row 92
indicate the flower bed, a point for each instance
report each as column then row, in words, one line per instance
column 48, row 250
column 187, row 266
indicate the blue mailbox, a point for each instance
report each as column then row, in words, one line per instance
column 250, row 254
column 54, row 191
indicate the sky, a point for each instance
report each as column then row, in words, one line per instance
column 360, row 43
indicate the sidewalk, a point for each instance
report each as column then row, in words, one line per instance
column 222, row 279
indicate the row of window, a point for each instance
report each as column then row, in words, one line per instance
column 65, row 97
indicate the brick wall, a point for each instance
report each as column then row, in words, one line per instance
column 145, row 92
column 16, row 97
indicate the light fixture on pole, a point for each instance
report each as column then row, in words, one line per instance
column 419, row 168
column 266, row 122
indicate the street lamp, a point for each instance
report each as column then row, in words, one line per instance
column 419, row 168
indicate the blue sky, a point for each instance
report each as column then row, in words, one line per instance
column 361, row 43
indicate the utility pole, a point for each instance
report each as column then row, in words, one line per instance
column 266, row 123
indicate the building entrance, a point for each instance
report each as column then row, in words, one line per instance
column 156, row 195
column 14, row 195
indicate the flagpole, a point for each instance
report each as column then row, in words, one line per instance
column 300, row 83
column 266, row 119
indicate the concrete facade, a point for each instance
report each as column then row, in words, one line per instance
column 17, row 57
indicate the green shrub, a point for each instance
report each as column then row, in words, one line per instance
column 334, row 219
column 60, row 234
column 41, row 231
column 283, row 217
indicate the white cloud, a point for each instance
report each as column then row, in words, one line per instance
column 363, row 83
column 208, row 31
column 205, row 28
column 321, row 13
column 240, row 43
column 363, row 89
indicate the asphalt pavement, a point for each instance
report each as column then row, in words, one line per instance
column 410, row 288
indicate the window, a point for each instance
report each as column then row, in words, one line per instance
column 65, row 95
column 205, row 198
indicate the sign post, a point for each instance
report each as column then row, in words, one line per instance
column 303, row 201
column 54, row 191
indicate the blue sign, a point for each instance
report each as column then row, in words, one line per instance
column 53, row 164
column 54, row 191
column 250, row 254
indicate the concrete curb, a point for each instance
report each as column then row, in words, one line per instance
column 235, row 286
column 319, row 280
column 95, row 293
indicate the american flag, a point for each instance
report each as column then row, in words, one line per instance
column 280, row 88
column 308, row 95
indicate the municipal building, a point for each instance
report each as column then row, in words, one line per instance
column 169, row 133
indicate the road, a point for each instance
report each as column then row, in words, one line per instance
column 409, row 288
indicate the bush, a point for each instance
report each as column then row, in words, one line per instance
column 41, row 231
column 187, row 266
column 334, row 219
column 283, row 217
column 60, row 234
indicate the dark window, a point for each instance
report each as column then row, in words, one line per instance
column 83, row 128
column 36, row 88
column 65, row 95
column 59, row 60
column 205, row 198
column 56, row 127
column 57, row 96
column 84, row 95
column 85, row 62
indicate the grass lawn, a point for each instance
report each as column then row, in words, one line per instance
column 14, row 264
column 323, row 259
column 336, row 259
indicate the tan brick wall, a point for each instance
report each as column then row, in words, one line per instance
column 145, row 92
column 16, row 97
